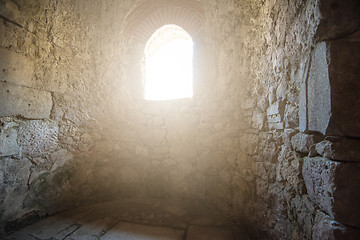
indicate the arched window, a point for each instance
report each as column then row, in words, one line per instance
column 168, row 64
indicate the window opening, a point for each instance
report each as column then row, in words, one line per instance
column 168, row 64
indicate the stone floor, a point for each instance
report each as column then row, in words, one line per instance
column 135, row 219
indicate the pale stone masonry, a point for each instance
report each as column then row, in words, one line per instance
column 271, row 137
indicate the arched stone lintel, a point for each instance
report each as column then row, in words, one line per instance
column 149, row 16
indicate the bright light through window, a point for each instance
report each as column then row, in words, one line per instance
column 168, row 64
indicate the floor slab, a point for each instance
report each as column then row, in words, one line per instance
column 132, row 231
column 135, row 219
column 94, row 229
column 209, row 233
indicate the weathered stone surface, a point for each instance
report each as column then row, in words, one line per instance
column 16, row 69
column 273, row 109
column 291, row 116
column 59, row 158
column 258, row 120
column 93, row 230
column 272, row 95
column 281, row 91
column 277, row 125
column 333, row 186
column 274, row 116
column 318, row 91
column 286, row 137
column 301, row 142
column 15, row 173
column 23, row 101
column 8, row 136
column 37, row 137
column 289, row 169
column 303, row 210
column 326, row 228
column 342, row 149
column 129, row 231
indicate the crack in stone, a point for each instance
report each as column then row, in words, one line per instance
column 13, row 22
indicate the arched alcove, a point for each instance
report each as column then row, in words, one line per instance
column 145, row 19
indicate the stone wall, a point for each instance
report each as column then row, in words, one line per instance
column 75, row 129
column 183, row 148
column 264, row 138
column 302, row 67
column 49, row 116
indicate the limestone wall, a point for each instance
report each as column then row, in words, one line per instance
column 50, row 112
column 264, row 122
column 302, row 190
column 75, row 128
column 182, row 148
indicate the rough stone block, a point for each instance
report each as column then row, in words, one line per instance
column 302, row 142
column 342, row 149
column 326, row 228
column 286, row 137
column 29, row 103
column 15, row 176
column 274, row 118
column 291, row 116
column 281, row 90
column 318, row 91
column 290, row 170
column 15, row 68
column 333, row 186
column 278, row 125
column 37, row 137
column 273, row 109
column 272, row 95
column 8, row 144
column 274, row 113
